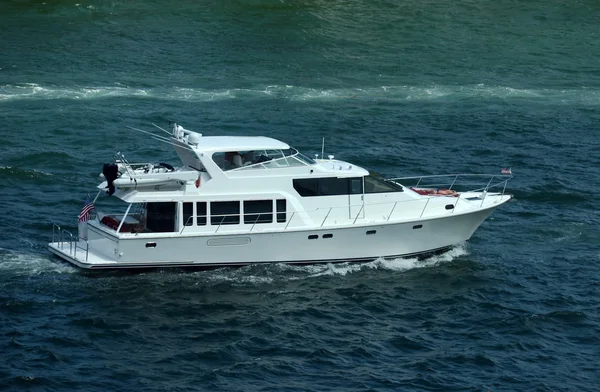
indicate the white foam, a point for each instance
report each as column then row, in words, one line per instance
column 31, row 172
column 28, row 91
column 257, row 275
column 32, row 264
column 399, row 264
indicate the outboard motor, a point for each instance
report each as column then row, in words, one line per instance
column 111, row 173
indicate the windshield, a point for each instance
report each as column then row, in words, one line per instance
column 260, row 159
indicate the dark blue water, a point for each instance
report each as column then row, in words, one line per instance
column 403, row 88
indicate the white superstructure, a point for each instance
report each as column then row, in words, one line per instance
column 242, row 200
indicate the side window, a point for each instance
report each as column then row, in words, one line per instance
column 224, row 213
column 160, row 217
column 333, row 186
column 329, row 186
column 201, row 213
column 258, row 211
column 281, row 210
column 356, row 186
column 188, row 209
column 306, row 187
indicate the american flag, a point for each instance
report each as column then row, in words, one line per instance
column 84, row 216
column 506, row 171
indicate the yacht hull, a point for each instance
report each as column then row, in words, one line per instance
column 307, row 246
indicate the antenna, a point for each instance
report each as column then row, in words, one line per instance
column 323, row 149
column 162, row 129
column 172, row 144
column 161, row 138
column 150, row 133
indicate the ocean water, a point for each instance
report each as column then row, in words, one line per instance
column 401, row 87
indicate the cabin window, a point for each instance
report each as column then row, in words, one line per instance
column 356, row 186
column 188, row 211
column 258, row 211
column 281, row 210
column 307, row 187
column 161, row 217
column 201, row 213
column 333, row 186
column 225, row 213
column 376, row 184
column 329, row 186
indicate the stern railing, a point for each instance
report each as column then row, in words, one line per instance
column 64, row 238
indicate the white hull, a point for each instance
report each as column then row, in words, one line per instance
column 218, row 250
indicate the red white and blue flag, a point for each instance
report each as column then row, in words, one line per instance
column 505, row 171
column 84, row 216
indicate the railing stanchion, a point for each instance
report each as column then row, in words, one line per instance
column 357, row 215
column 392, row 211
column 455, row 178
column 220, row 223
column 489, row 182
column 422, row 212
column 455, row 204
column 326, row 216
column 289, row 220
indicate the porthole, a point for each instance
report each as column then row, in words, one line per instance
column 371, row 232
column 150, row 244
column 327, row 235
column 417, row 227
column 313, row 237
column 449, row 206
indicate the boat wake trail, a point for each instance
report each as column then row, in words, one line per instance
column 27, row 264
column 274, row 273
column 399, row 264
column 32, row 91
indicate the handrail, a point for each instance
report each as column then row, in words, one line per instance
column 452, row 175
column 453, row 181
column 61, row 236
column 57, row 227
column 313, row 215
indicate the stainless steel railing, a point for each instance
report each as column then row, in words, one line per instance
column 64, row 238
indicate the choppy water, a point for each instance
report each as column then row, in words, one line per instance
column 404, row 88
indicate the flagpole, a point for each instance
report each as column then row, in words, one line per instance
column 95, row 198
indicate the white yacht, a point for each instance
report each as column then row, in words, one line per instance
column 243, row 200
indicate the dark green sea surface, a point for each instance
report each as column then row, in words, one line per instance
column 401, row 87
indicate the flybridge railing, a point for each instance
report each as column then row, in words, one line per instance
column 64, row 238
